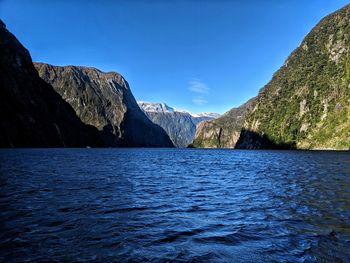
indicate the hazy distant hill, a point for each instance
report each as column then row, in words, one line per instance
column 180, row 125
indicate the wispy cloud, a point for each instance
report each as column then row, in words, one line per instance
column 199, row 100
column 197, row 86
column 200, row 89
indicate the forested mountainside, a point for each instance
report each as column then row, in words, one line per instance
column 306, row 105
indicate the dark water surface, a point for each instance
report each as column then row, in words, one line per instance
column 174, row 205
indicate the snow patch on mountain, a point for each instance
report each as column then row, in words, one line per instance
column 154, row 107
column 164, row 108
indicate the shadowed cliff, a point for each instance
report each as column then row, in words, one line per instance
column 32, row 114
column 252, row 141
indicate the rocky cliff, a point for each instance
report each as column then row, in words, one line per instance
column 180, row 125
column 223, row 132
column 306, row 105
column 32, row 114
column 105, row 101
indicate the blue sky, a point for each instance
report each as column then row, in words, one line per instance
column 196, row 55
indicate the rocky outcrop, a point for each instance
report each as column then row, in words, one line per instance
column 32, row 114
column 105, row 101
column 180, row 125
column 223, row 132
column 306, row 105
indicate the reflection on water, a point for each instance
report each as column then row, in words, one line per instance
column 175, row 205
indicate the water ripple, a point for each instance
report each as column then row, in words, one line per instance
column 174, row 205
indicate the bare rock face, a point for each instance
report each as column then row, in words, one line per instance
column 32, row 114
column 224, row 131
column 105, row 101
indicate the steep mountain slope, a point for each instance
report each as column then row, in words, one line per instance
column 307, row 102
column 105, row 101
column 180, row 125
column 223, row 132
column 32, row 114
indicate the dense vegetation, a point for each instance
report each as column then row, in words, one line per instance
column 306, row 104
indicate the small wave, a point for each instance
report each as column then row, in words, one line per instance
column 172, row 236
column 123, row 210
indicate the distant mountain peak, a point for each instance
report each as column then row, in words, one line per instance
column 155, row 107
column 164, row 108
column 180, row 125
column 206, row 114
